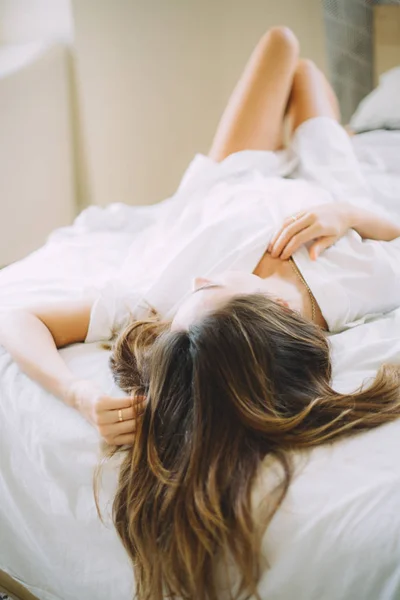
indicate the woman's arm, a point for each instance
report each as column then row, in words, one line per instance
column 325, row 225
column 32, row 338
column 371, row 226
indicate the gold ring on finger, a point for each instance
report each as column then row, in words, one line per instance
column 294, row 218
column 120, row 417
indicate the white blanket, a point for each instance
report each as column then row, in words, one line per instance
column 337, row 534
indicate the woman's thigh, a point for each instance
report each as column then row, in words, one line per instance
column 311, row 96
column 254, row 115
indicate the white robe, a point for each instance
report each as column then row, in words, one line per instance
column 223, row 217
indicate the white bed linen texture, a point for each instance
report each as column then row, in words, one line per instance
column 223, row 218
column 337, row 534
column 377, row 110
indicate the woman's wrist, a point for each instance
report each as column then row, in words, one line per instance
column 350, row 215
column 68, row 392
column 372, row 226
column 83, row 395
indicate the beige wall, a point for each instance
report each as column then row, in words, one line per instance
column 153, row 77
column 32, row 20
column 37, row 182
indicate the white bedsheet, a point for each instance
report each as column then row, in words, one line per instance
column 337, row 534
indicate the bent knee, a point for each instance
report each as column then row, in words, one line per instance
column 283, row 37
column 306, row 67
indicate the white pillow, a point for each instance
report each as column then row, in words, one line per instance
column 381, row 108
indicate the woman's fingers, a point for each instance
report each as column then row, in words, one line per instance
column 321, row 245
column 115, row 418
column 298, row 240
column 288, row 225
column 110, row 403
column 134, row 411
column 289, row 229
column 118, row 415
column 127, row 439
column 113, row 429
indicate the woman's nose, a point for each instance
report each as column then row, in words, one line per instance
column 199, row 282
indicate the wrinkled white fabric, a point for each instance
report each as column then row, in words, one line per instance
column 223, row 218
column 337, row 533
column 378, row 110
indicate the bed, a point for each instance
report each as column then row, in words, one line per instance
column 337, row 534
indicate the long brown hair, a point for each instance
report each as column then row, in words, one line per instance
column 248, row 380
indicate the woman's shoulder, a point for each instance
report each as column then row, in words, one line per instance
column 115, row 303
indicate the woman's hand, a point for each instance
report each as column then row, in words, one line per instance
column 325, row 224
column 104, row 412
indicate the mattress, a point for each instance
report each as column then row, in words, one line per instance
column 336, row 535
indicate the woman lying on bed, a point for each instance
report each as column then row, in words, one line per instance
column 240, row 368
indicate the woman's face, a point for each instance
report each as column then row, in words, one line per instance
column 208, row 294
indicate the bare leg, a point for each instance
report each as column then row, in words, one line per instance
column 254, row 116
column 311, row 96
